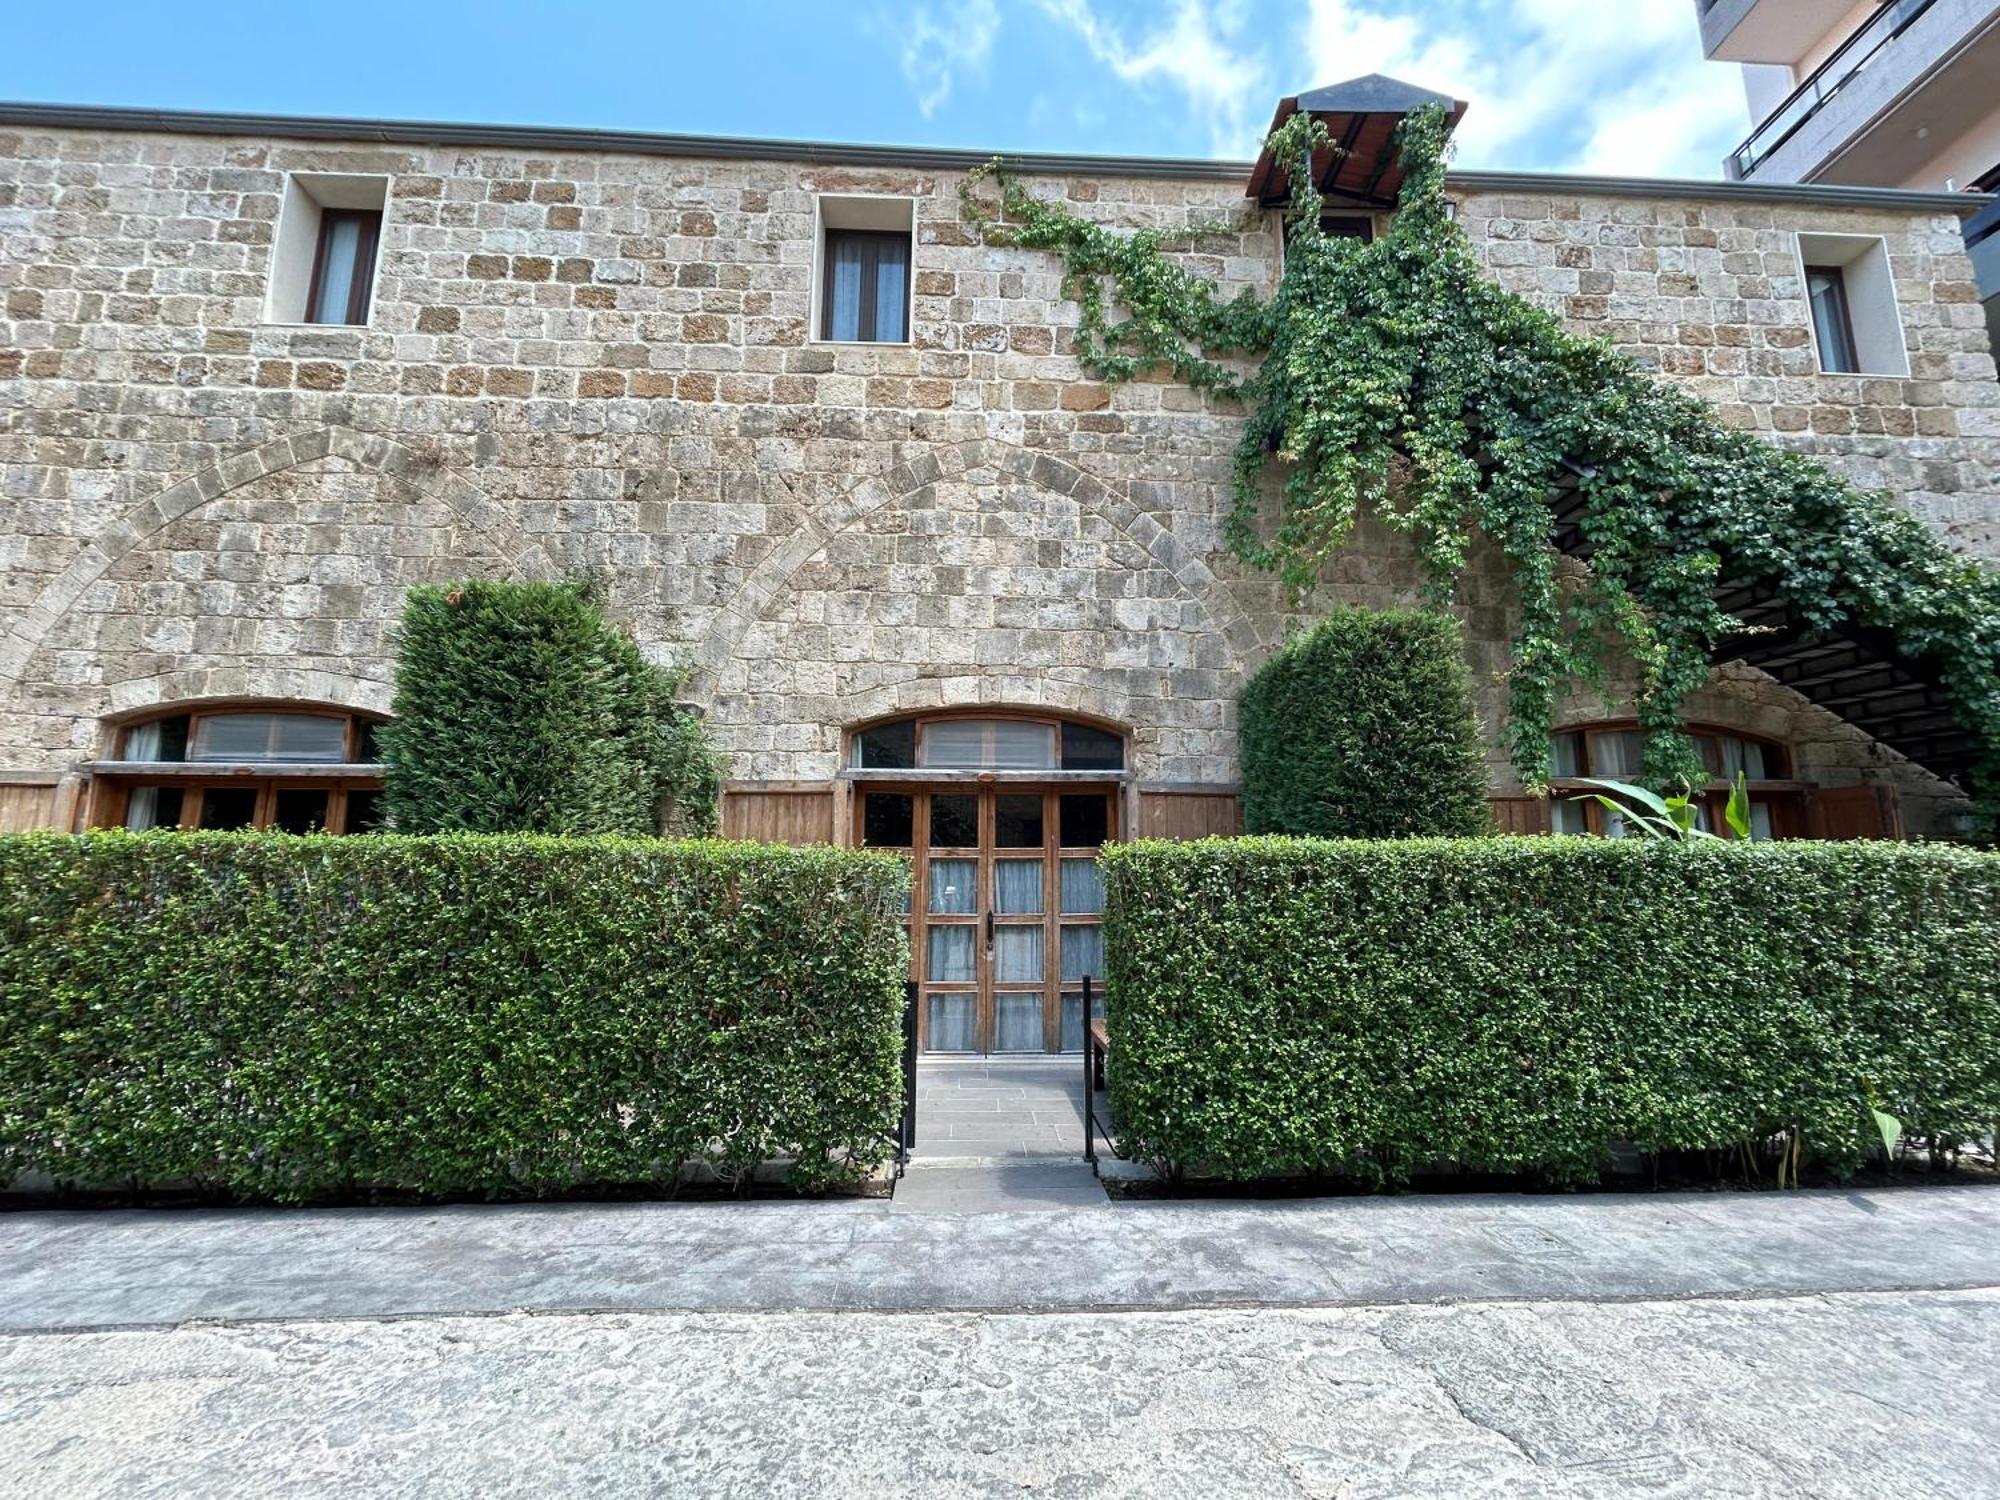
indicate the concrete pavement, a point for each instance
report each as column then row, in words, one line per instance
column 1846, row 1395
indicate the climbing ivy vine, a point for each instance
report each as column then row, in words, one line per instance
column 1392, row 377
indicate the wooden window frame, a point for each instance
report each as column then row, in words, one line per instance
column 851, row 740
column 361, row 293
column 114, row 781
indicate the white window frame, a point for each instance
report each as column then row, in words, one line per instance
column 870, row 211
column 1881, row 346
column 295, row 246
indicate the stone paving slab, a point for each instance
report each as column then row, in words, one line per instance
column 1846, row 1395
column 1025, row 1186
column 1000, row 1106
column 109, row 1268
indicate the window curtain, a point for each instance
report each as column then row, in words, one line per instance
column 1017, row 955
column 950, row 1023
column 951, row 955
column 142, row 807
column 952, row 886
column 1082, row 952
column 1082, row 886
column 1744, row 756
column 867, row 286
column 1017, row 887
column 1017, row 1023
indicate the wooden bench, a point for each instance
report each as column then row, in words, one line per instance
column 1100, row 1048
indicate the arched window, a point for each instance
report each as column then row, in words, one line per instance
column 299, row 768
column 972, row 742
column 1612, row 752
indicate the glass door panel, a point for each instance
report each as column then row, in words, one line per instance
column 951, row 956
column 954, row 821
column 948, row 881
column 1018, row 820
column 1082, row 887
column 227, row 807
column 954, row 887
column 300, row 809
column 1017, row 887
column 949, row 1022
column 1017, row 1022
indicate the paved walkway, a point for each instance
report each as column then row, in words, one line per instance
column 135, row 1267
column 1000, row 1106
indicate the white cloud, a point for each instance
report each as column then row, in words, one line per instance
column 1613, row 86
column 1194, row 50
column 939, row 42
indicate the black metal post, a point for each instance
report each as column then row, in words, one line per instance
column 908, row 1142
column 1089, row 1075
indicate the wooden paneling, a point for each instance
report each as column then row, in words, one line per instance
column 26, row 806
column 792, row 815
column 1855, row 812
column 1189, row 815
column 1519, row 814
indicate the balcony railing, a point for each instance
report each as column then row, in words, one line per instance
column 1882, row 28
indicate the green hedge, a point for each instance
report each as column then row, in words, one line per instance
column 1362, row 727
column 520, row 709
column 307, row 1018
column 1517, row 1005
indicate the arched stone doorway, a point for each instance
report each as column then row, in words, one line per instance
column 1001, row 813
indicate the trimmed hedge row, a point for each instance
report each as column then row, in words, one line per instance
column 303, row 1018
column 1517, row 1005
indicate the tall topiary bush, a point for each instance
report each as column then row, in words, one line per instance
column 1362, row 727
column 519, row 709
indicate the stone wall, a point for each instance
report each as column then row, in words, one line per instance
column 601, row 363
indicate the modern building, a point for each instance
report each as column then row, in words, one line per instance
column 1883, row 93
column 938, row 590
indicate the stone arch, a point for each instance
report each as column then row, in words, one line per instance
column 947, row 463
column 371, row 451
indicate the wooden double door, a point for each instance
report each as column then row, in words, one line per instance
column 1007, row 904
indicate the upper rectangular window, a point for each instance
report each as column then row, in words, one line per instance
column 864, row 281
column 1850, row 295
column 329, row 235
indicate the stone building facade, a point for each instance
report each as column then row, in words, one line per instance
column 589, row 354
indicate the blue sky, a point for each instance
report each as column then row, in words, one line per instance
column 1568, row 85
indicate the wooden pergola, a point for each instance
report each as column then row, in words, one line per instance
column 1361, row 116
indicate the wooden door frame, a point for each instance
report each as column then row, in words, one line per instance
column 987, row 789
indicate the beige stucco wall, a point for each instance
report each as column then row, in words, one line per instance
column 601, row 363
